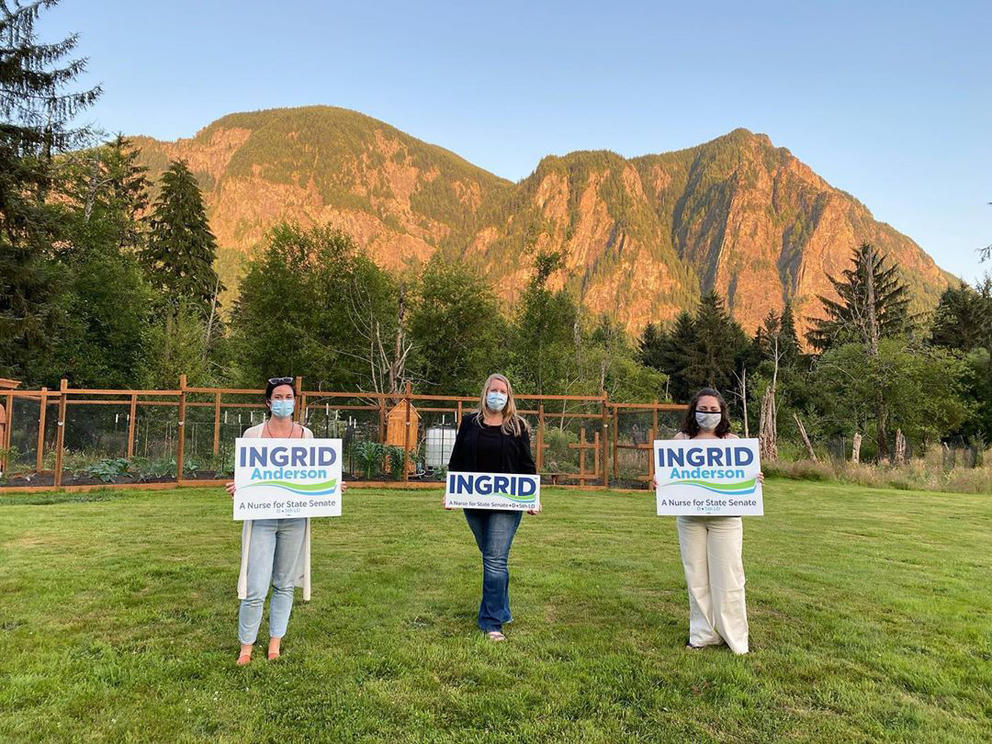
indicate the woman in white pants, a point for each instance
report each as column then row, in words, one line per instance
column 711, row 547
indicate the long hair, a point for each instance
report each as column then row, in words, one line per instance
column 513, row 423
column 689, row 425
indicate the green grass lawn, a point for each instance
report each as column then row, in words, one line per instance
column 870, row 612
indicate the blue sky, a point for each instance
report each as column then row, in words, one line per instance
column 891, row 101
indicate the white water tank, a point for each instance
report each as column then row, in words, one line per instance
column 438, row 445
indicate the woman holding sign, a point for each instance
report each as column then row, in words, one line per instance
column 711, row 547
column 493, row 439
column 274, row 552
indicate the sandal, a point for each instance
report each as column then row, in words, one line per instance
column 495, row 635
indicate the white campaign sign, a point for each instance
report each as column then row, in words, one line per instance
column 708, row 477
column 279, row 478
column 493, row 491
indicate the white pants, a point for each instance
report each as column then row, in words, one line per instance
column 714, row 572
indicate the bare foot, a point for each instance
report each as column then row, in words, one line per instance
column 245, row 655
column 274, row 648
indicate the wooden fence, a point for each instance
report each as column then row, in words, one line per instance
column 599, row 446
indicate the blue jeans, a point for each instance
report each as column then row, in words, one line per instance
column 273, row 554
column 494, row 531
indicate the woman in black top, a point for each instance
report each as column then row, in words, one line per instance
column 493, row 439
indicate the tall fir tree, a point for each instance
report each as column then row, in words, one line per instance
column 963, row 320
column 719, row 342
column 181, row 250
column 676, row 356
column 36, row 111
column 107, row 298
column 649, row 346
column 788, row 338
column 873, row 303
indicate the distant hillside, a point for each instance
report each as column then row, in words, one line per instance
column 644, row 236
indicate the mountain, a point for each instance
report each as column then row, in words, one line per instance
column 643, row 236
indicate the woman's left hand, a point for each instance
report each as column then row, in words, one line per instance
column 535, row 511
column 761, row 477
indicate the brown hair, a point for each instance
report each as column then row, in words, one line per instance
column 690, row 427
column 275, row 382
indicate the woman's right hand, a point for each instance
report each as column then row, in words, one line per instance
column 230, row 488
column 446, row 507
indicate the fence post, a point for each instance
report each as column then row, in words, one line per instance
column 60, row 436
column 181, row 430
column 406, row 433
column 604, row 429
column 597, row 463
column 616, row 444
column 582, row 455
column 298, row 413
column 40, row 449
column 654, row 435
column 132, row 425
column 7, row 432
column 216, row 424
column 540, row 436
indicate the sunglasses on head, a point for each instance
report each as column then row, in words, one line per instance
column 280, row 380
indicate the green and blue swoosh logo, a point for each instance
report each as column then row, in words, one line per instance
column 726, row 489
column 516, row 499
column 324, row 488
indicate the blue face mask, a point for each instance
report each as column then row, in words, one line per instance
column 495, row 401
column 283, row 408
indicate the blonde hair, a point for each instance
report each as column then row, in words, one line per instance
column 513, row 423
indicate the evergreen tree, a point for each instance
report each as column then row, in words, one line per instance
column 873, row 304
column 107, row 298
column 35, row 114
column 788, row 338
column 963, row 319
column 181, row 249
column 649, row 346
column 719, row 343
column 676, row 356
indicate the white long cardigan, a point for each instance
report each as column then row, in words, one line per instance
column 302, row 562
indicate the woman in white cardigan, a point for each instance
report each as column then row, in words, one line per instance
column 274, row 552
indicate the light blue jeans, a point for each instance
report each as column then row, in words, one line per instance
column 494, row 530
column 272, row 559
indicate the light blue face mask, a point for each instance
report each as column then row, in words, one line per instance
column 283, row 408
column 495, row 401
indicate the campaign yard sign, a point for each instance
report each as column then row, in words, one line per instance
column 280, row 478
column 707, row 477
column 492, row 491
